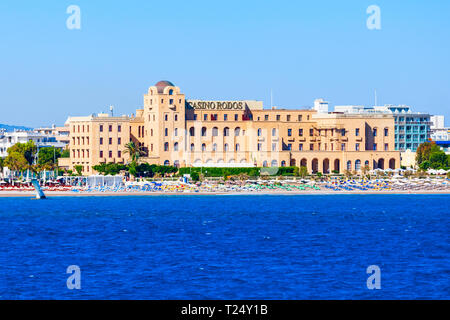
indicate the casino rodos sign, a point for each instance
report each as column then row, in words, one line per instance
column 216, row 105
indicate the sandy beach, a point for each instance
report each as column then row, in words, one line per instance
column 32, row 194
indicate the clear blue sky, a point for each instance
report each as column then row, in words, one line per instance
column 220, row 50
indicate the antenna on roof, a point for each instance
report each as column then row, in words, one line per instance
column 111, row 108
column 271, row 99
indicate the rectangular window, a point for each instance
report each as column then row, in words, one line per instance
column 386, row 147
column 311, row 132
column 343, row 147
column 119, row 154
column 110, row 154
column 357, row 147
column 101, row 154
column 375, row 147
column 171, row 101
column 101, row 140
column 225, row 117
column 101, row 128
column 357, row 132
column 278, row 117
column 300, row 132
column 110, row 140
column 289, row 132
column 259, row 146
column 311, row 147
column 288, row 118
column 110, row 128
column 300, row 117
column 266, row 117
column 119, row 141
column 205, row 117
column 375, row 132
column 289, row 146
column 195, row 117
column 119, row 128
column 300, row 147
column 236, row 116
column 343, row 132
column 386, row 132
column 274, row 147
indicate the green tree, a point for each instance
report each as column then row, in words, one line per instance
column 27, row 150
column 48, row 156
column 425, row 165
column 16, row 161
column 65, row 153
column 303, row 172
column 423, row 152
column 133, row 151
column 78, row 169
column 438, row 159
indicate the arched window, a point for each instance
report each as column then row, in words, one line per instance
column 192, row 147
column 265, row 163
column 274, row 163
column 226, row 147
column 203, row 147
column 226, row 132
column 358, row 165
column 259, row 132
column 274, row 132
column 238, row 147
column 204, row 132
column 192, row 131
column 349, row 165
column 176, row 163
column 166, row 146
column 176, row 132
column 214, row 148
column 237, row 131
column 366, row 163
column 283, row 163
column 215, row 132
column 170, row 92
column 175, row 146
column 167, row 163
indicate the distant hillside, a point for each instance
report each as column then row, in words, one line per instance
column 12, row 128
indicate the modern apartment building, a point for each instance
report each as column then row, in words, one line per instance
column 411, row 128
column 8, row 139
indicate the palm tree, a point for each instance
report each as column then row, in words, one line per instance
column 133, row 150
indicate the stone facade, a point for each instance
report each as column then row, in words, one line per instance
column 174, row 131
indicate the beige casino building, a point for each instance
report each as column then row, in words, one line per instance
column 171, row 130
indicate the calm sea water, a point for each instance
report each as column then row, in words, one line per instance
column 226, row 247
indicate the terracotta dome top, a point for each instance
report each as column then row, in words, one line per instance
column 162, row 84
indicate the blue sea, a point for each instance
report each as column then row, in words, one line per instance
column 226, row 247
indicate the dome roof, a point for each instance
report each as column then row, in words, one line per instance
column 162, row 84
